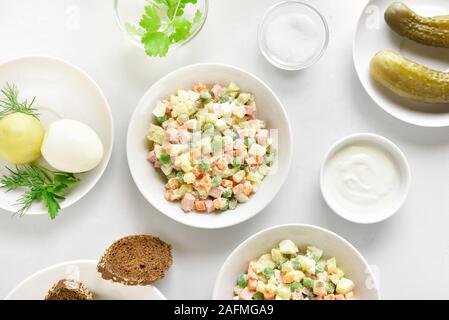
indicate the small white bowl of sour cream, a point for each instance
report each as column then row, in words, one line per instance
column 365, row 178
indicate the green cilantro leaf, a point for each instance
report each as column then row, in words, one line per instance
column 134, row 30
column 156, row 44
column 151, row 21
column 163, row 24
column 198, row 16
column 182, row 29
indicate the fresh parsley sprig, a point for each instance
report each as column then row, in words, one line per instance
column 41, row 184
column 10, row 103
column 163, row 24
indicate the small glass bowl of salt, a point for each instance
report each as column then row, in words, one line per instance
column 293, row 35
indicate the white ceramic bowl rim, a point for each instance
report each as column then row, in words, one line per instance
column 281, row 110
column 401, row 162
column 311, row 61
column 107, row 152
column 297, row 225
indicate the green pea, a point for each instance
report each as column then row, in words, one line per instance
column 216, row 181
column 165, row 159
column 225, row 98
column 295, row 286
column 268, row 272
column 241, row 281
column 308, row 283
column 258, row 296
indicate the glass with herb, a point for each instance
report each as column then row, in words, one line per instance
column 159, row 26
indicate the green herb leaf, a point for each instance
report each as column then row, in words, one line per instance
column 162, row 24
column 198, row 16
column 51, row 203
column 133, row 30
column 182, row 29
column 41, row 184
column 150, row 21
column 156, row 44
column 10, row 103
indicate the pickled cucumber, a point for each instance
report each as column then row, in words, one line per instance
column 409, row 79
column 432, row 31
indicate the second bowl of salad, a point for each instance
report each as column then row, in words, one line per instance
column 295, row 262
column 209, row 145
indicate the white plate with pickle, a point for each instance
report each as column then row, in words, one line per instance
column 421, row 96
column 56, row 135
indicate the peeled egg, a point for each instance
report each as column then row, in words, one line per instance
column 72, row 146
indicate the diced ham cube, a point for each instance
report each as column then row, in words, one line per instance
column 217, row 90
column 209, row 206
column 238, row 189
column 246, row 294
column 184, row 137
column 252, row 271
column 188, row 202
column 296, row 296
column 239, row 145
column 152, row 157
column 262, row 137
column 251, row 161
column 242, row 133
column 172, row 135
column 216, row 192
column 349, row 296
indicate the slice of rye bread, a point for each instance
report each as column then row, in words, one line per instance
column 68, row 289
column 136, row 260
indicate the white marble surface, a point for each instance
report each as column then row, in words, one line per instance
column 410, row 252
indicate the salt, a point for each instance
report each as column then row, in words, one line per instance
column 293, row 38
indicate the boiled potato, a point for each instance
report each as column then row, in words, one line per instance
column 21, row 137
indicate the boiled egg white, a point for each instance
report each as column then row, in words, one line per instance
column 72, row 146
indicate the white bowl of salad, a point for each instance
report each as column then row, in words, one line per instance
column 209, row 145
column 295, row 262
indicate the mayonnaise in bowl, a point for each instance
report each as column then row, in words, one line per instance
column 365, row 178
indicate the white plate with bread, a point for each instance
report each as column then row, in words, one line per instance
column 37, row 286
column 125, row 271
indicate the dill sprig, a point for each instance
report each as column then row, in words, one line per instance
column 10, row 103
column 41, row 184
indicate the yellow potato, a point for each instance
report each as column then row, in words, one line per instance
column 21, row 138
